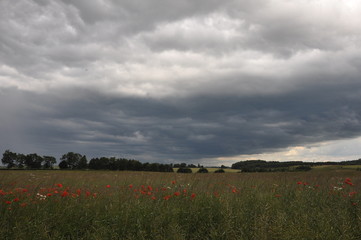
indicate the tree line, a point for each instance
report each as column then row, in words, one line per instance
column 275, row 166
column 77, row 161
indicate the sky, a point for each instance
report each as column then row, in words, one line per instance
column 211, row 82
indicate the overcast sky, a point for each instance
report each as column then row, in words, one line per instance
column 205, row 81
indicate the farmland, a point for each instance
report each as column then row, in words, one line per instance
column 319, row 204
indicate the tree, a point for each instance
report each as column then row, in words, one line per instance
column 219, row 171
column 48, row 162
column 33, row 161
column 20, row 159
column 83, row 163
column 73, row 160
column 63, row 165
column 9, row 158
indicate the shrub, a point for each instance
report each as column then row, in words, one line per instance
column 184, row 170
column 202, row 170
column 219, row 171
column 303, row 168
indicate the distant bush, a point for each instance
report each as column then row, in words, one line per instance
column 202, row 170
column 219, row 171
column 303, row 168
column 184, row 170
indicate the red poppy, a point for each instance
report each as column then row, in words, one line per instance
column 351, row 194
column 177, row 193
column 278, row 195
column 7, row 202
column 150, row 188
column 130, row 185
column 299, row 183
column 173, row 182
column 167, row 197
column 234, row 190
column 193, row 195
column 16, row 200
column 108, row 186
column 49, row 194
column 154, row 198
column 59, row 185
column 65, row 194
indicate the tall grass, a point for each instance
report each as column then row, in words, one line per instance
column 143, row 205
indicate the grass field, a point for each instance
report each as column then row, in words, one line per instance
column 144, row 205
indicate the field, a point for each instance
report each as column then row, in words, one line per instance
column 142, row 205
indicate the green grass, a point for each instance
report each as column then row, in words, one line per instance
column 145, row 205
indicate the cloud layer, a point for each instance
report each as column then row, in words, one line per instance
column 178, row 81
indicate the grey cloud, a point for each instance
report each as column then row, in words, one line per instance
column 182, row 128
column 185, row 80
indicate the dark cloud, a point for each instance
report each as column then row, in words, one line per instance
column 164, row 80
column 177, row 128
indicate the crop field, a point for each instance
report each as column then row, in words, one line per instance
column 146, row 205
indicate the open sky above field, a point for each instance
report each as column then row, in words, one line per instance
column 182, row 81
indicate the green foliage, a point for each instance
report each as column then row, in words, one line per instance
column 202, row 170
column 74, row 160
column 9, row 159
column 219, row 171
column 184, row 170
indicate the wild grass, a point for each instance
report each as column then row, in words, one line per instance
column 145, row 205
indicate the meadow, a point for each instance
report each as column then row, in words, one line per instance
column 45, row 204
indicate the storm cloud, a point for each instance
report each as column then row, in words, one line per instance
column 178, row 81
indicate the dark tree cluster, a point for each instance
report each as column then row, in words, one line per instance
column 29, row 161
column 113, row 163
column 76, row 161
column 184, row 165
column 274, row 166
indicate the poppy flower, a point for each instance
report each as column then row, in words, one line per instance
column 65, row 194
column 193, row 195
column 351, row 194
column 177, row 193
column 16, row 200
column 167, row 197
column 108, row 186
column 59, row 185
column 150, row 188
column 130, row 185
